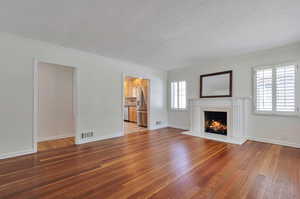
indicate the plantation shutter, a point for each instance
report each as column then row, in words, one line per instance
column 178, row 95
column 182, row 95
column 285, row 88
column 264, row 89
column 174, row 90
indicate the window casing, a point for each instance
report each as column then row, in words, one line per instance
column 275, row 89
column 178, row 95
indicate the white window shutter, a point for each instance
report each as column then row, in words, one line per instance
column 182, row 95
column 178, row 95
column 174, row 90
column 285, row 88
column 264, row 89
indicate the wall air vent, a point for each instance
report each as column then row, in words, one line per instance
column 87, row 134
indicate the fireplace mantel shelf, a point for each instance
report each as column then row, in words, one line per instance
column 236, row 108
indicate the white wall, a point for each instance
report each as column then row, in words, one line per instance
column 55, row 101
column 278, row 129
column 99, row 91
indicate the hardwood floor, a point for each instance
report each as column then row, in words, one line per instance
column 55, row 144
column 130, row 127
column 155, row 164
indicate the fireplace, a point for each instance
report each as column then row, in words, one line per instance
column 234, row 113
column 215, row 122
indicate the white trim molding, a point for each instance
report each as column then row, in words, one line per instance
column 274, row 141
column 135, row 75
column 160, row 126
column 41, row 139
column 15, row 154
column 237, row 116
column 35, row 116
column 273, row 111
column 178, row 127
column 104, row 137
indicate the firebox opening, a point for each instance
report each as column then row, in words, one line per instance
column 215, row 122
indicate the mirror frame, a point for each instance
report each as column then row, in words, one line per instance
column 215, row 74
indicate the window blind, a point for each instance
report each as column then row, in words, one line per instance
column 285, row 88
column 264, row 89
column 275, row 89
column 182, row 95
column 178, row 95
column 174, row 90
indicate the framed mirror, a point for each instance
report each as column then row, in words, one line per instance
column 216, row 85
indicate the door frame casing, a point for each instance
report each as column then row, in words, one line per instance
column 36, row 99
column 124, row 75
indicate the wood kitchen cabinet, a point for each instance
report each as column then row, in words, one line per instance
column 132, row 114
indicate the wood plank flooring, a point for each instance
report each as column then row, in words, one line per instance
column 55, row 144
column 130, row 127
column 155, row 164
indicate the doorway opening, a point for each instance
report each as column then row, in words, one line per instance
column 135, row 104
column 55, row 106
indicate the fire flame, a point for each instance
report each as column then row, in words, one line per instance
column 217, row 126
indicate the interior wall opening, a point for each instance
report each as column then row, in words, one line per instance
column 135, row 104
column 56, row 123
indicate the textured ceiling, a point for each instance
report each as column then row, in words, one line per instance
column 164, row 34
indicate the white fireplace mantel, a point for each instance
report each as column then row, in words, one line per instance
column 237, row 117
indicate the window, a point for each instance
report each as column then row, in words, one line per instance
column 264, row 90
column 178, row 95
column 285, row 88
column 275, row 89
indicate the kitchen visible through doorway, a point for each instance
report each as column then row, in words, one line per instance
column 135, row 104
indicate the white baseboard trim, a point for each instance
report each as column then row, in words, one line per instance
column 15, row 154
column 55, row 137
column 87, row 140
column 178, row 127
column 274, row 141
column 152, row 128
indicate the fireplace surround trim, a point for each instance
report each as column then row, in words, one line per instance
column 237, row 118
